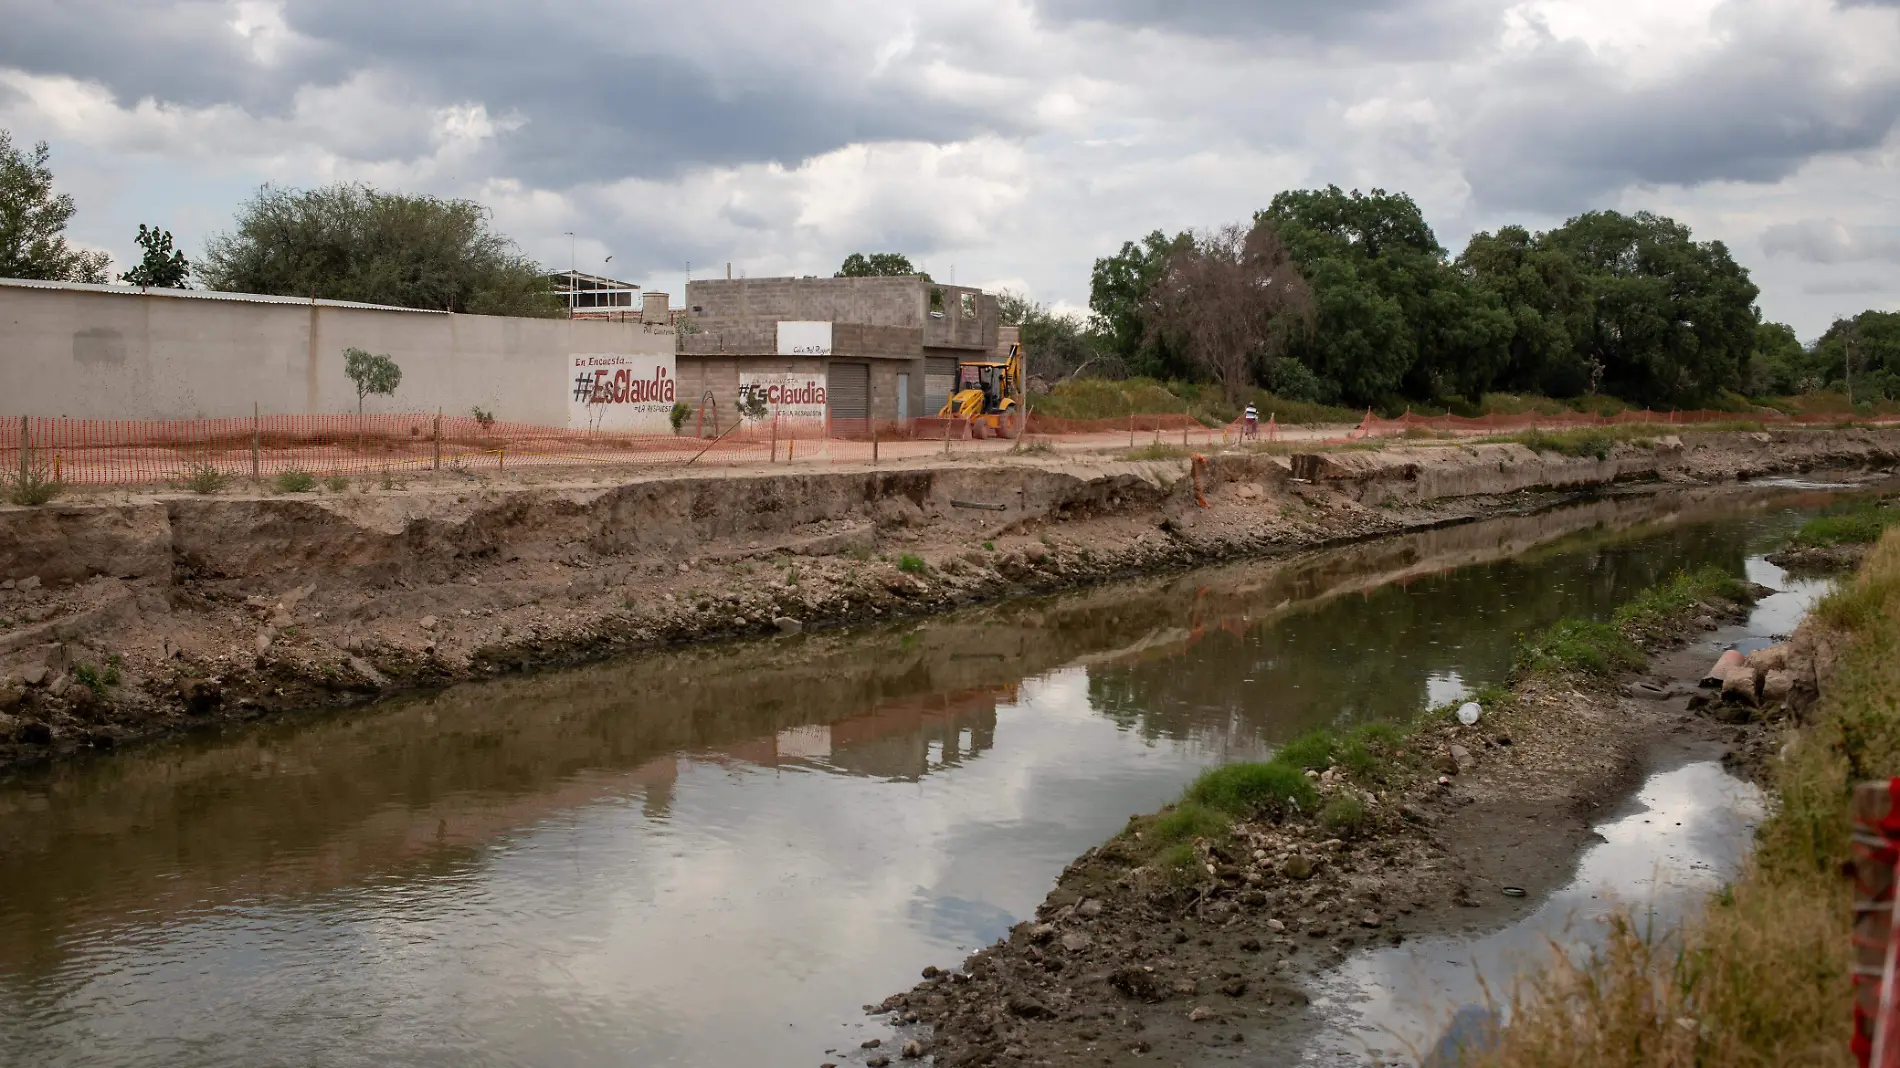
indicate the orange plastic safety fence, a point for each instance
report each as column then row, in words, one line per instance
column 150, row 452
column 1375, row 426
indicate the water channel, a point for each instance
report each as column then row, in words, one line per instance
column 716, row 856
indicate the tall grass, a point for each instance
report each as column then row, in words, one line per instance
column 1762, row 976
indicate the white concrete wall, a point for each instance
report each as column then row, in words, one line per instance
column 113, row 353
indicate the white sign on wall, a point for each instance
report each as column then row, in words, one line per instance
column 617, row 391
column 789, row 395
column 804, row 339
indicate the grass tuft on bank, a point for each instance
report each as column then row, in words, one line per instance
column 1861, row 523
column 1372, row 754
column 1600, row 649
column 1762, row 976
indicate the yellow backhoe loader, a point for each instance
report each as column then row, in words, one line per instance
column 989, row 395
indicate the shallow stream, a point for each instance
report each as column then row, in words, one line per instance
column 715, row 856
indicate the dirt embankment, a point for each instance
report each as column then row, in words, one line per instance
column 130, row 617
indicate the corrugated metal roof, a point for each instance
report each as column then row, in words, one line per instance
column 206, row 294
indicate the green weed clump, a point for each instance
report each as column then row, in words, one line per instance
column 1313, row 750
column 1158, row 451
column 1591, row 648
column 1594, row 442
column 911, row 564
column 95, row 679
column 294, row 481
column 1185, row 822
column 1178, row 857
column 1664, row 606
column 1344, row 814
column 204, row 479
column 1273, row 788
column 337, row 483
column 1578, row 645
column 1859, row 524
column 36, row 484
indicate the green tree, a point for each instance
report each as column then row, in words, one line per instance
column 33, row 221
column 878, row 265
column 161, row 267
column 1780, row 365
column 1056, row 345
column 1120, row 288
column 352, row 242
column 373, row 372
column 1543, row 293
column 1670, row 320
column 1394, row 317
column 1872, row 338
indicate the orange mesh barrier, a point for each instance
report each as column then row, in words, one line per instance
column 1150, row 423
column 150, row 452
column 1375, row 426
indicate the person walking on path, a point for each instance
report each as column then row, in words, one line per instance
column 1253, row 421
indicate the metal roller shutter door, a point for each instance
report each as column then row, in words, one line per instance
column 848, row 391
column 940, row 377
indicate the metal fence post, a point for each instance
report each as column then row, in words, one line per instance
column 437, row 435
column 26, row 449
column 256, row 428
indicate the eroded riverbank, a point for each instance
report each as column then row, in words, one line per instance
column 712, row 855
column 140, row 617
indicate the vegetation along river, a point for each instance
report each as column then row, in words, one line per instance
column 715, row 856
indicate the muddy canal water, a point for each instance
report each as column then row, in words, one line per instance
column 716, row 856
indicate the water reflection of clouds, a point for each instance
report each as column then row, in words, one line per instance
column 1779, row 613
column 1689, row 833
column 1444, row 687
column 779, row 890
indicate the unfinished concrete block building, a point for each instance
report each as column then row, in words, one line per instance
column 884, row 348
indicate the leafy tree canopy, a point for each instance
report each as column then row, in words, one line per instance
column 1669, row 320
column 162, row 266
column 1873, row 340
column 878, row 265
column 1056, row 345
column 1393, row 315
column 1119, row 289
column 33, row 221
column 372, row 372
column 352, row 242
column 1780, row 365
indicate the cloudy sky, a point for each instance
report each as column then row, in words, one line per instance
column 999, row 142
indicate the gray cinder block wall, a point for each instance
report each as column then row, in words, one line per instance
column 112, row 352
